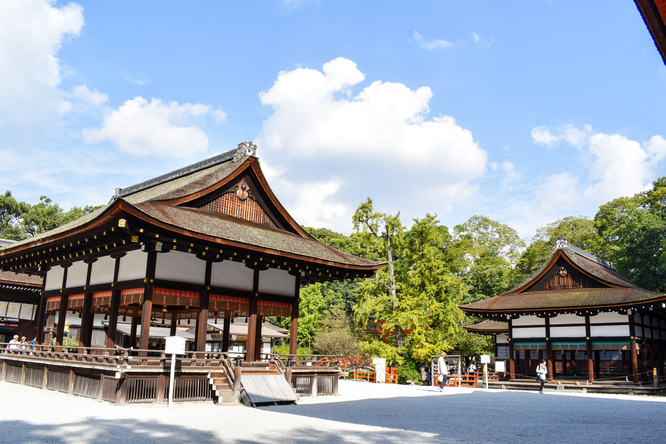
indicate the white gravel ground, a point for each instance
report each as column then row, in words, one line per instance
column 362, row 413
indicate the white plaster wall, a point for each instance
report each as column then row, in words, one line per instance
column 76, row 275
column 180, row 267
column 276, row 281
column 234, row 275
column 603, row 318
column 528, row 320
column 502, row 338
column 531, row 332
column 567, row 319
column 133, row 266
column 102, row 270
column 567, row 332
column 609, row 330
column 54, row 278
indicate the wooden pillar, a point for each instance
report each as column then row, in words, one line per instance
column 62, row 313
column 589, row 352
column 259, row 342
column 226, row 332
column 87, row 317
column 528, row 362
column 112, row 329
column 250, row 345
column 133, row 328
column 147, row 305
column 41, row 313
column 550, row 365
column 174, row 324
column 644, row 360
column 202, row 315
column 87, row 320
column 512, row 361
column 634, row 349
column 563, row 358
column 293, row 329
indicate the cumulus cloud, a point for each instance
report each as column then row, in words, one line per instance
column 31, row 34
column 607, row 166
column 327, row 117
column 430, row 44
column 140, row 127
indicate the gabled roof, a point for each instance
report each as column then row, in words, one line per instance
column 570, row 279
column 223, row 202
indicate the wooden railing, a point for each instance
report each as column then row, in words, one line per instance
column 119, row 358
column 390, row 377
column 331, row 361
column 469, row 381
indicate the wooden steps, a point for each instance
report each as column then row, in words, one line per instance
column 220, row 384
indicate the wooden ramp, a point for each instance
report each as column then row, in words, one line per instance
column 265, row 389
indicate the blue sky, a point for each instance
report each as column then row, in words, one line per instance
column 524, row 112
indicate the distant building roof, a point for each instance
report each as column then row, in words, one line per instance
column 571, row 279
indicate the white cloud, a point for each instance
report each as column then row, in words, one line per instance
column 143, row 128
column 94, row 98
column 655, row 148
column 608, row 166
column 542, row 136
column 432, row 44
column 570, row 134
column 382, row 131
column 31, row 34
column 621, row 167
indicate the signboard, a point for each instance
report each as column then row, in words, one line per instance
column 500, row 366
column 485, row 359
column 175, row 345
column 380, row 369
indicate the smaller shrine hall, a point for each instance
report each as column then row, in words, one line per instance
column 581, row 316
column 206, row 243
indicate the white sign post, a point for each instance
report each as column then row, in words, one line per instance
column 175, row 345
column 380, row 369
column 485, row 360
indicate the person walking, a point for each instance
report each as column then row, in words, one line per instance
column 542, row 371
column 443, row 371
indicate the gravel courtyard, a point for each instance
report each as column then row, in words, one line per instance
column 362, row 413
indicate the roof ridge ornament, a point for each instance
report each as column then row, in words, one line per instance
column 245, row 149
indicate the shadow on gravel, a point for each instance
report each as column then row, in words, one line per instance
column 499, row 416
column 100, row 431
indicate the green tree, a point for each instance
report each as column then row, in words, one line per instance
column 634, row 238
column 580, row 231
column 10, row 217
column 381, row 233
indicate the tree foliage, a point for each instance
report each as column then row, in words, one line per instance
column 19, row 220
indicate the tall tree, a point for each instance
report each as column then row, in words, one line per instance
column 382, row 233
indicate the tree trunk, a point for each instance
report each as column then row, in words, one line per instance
column 393, row 290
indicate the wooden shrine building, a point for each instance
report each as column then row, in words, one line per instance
column 580, row 315
column 209, row 241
